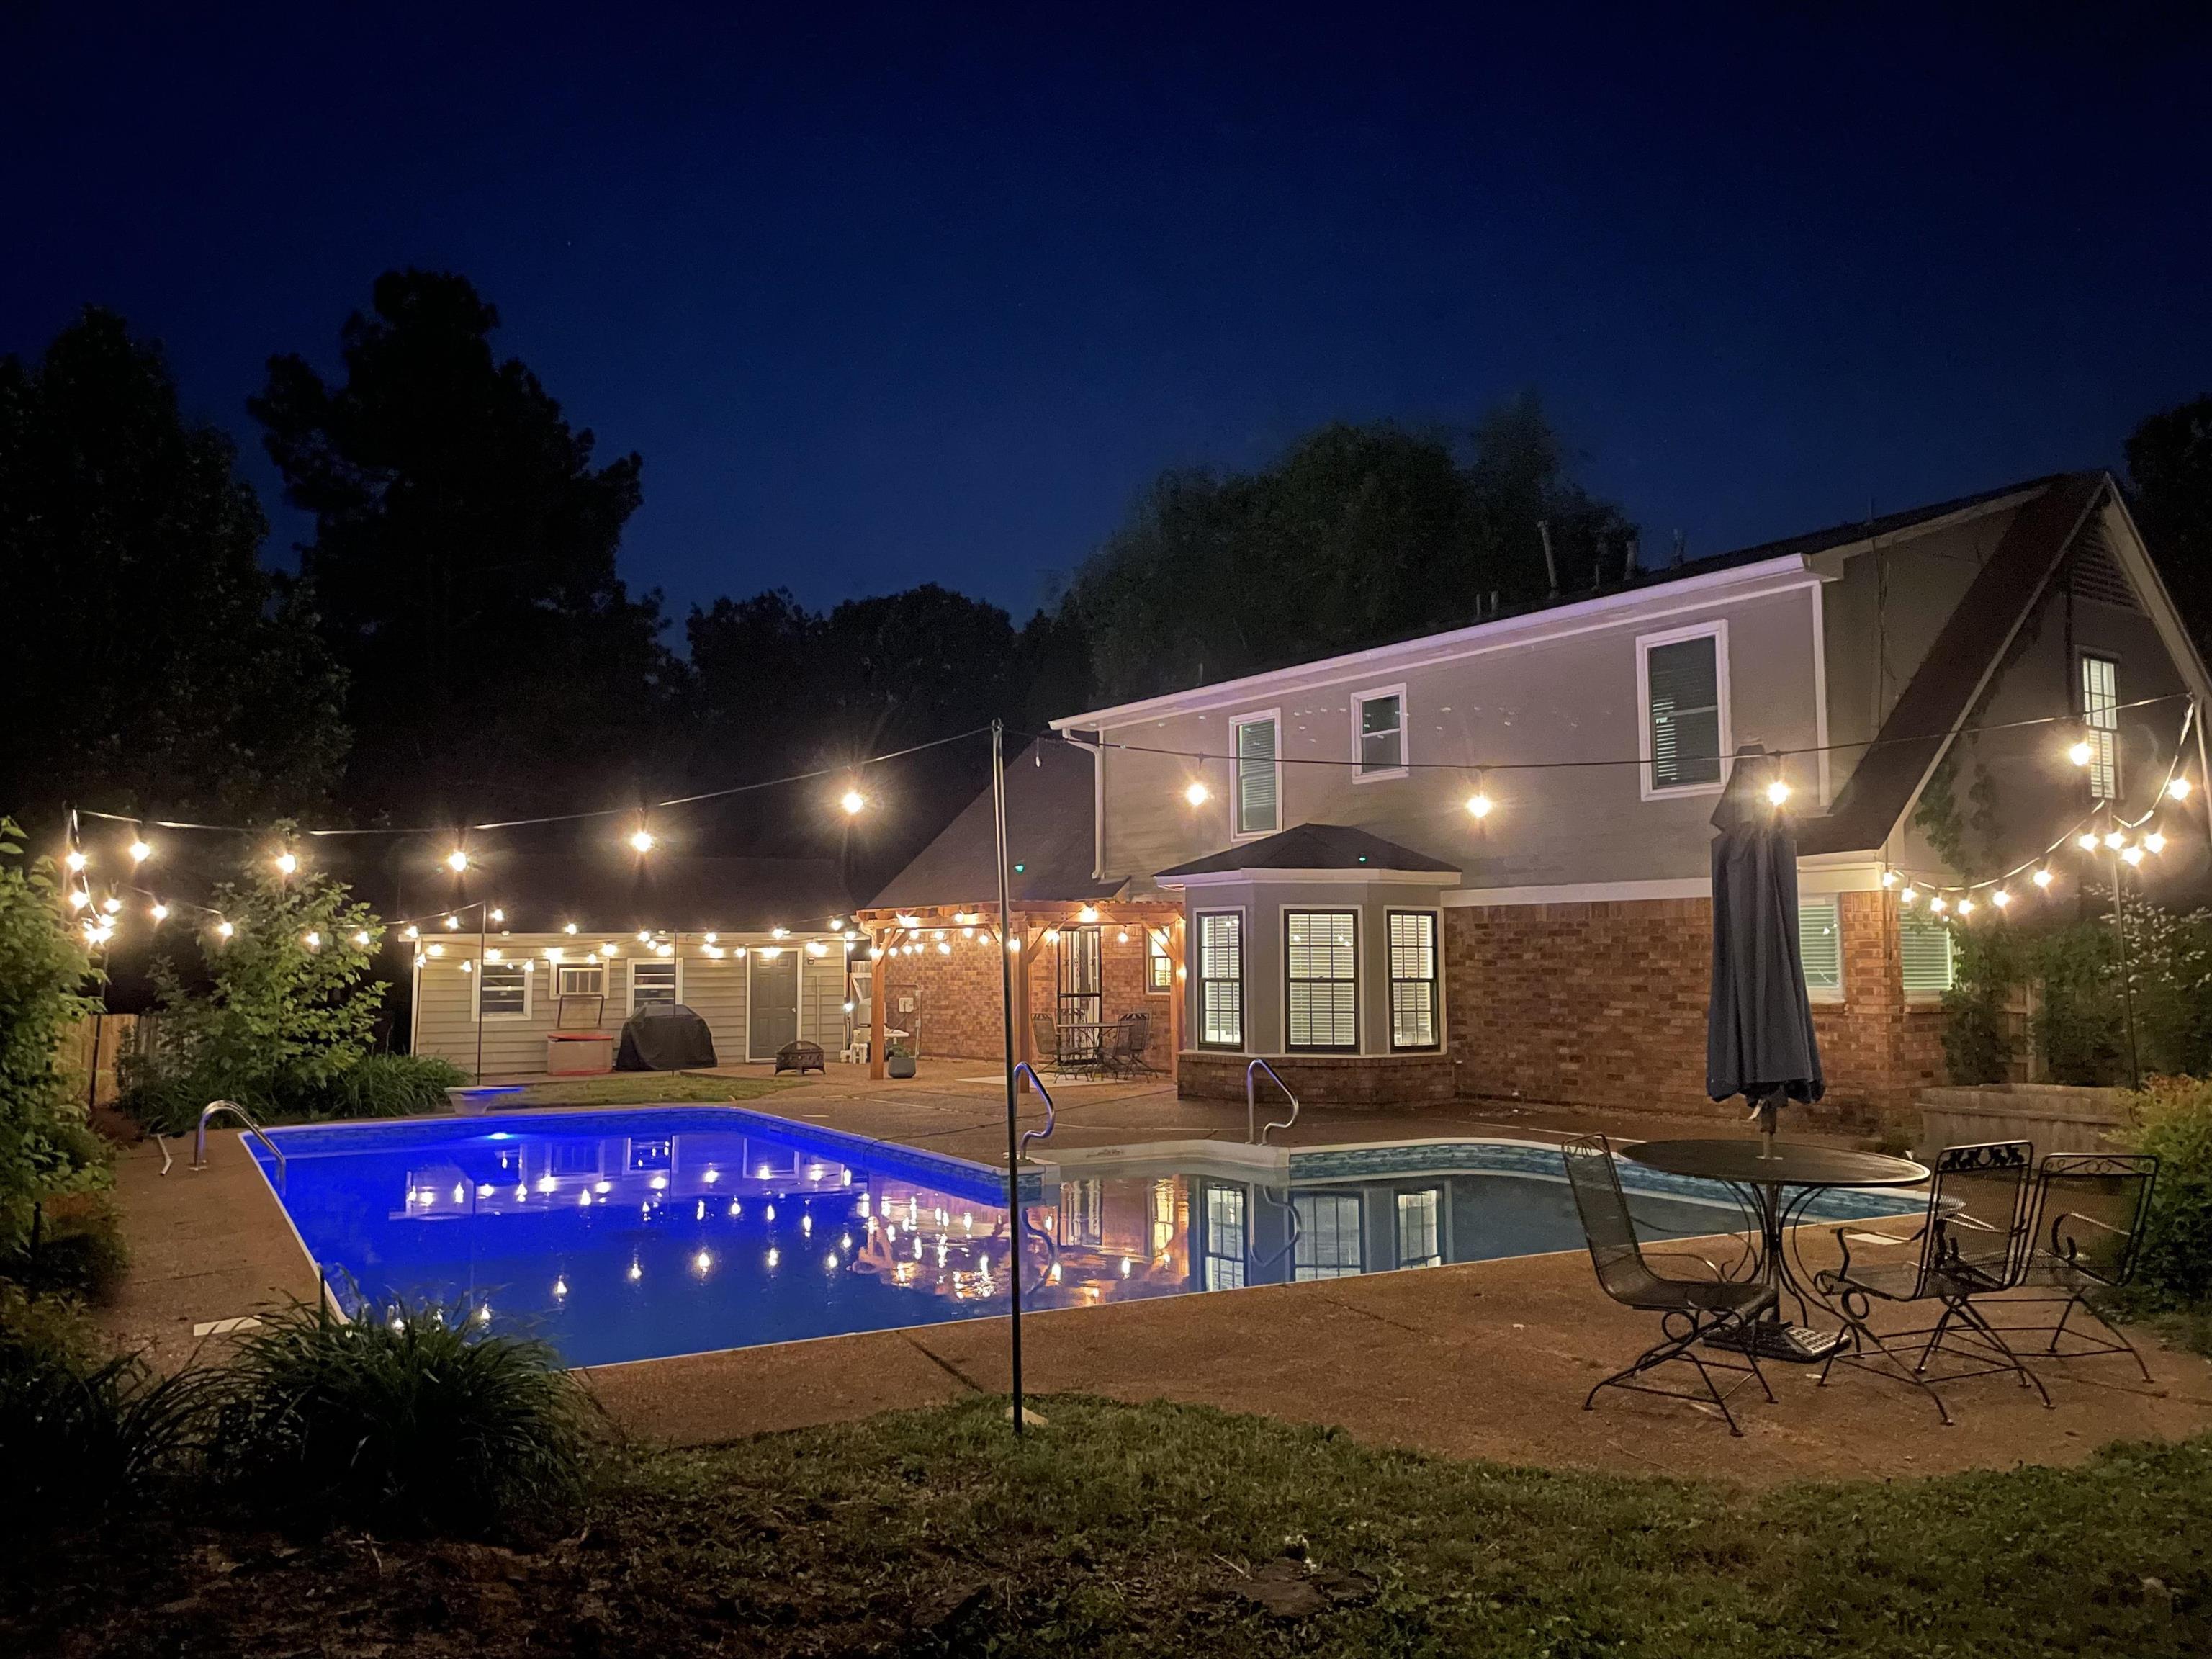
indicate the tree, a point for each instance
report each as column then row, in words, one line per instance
column 2170, row 476
column 463, row 563
column 46, row 1147
column 272, row 1014
column 169, row 672
column 1357, row 535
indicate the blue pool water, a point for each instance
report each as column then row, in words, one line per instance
column 632, row 1235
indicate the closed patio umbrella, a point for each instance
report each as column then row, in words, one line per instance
column 1759, row 1024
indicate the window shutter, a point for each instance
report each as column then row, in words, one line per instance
column 1256, row 806
column 1683, row 683
column 2100, row 712
column 1820, row 944
column 1926, row 946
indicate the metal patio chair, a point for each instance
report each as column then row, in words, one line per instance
column 1691, row 1312
column 1044, row 1039
column 2090, row 1209
column 1974, row 1242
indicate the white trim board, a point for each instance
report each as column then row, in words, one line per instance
column 1317, row 878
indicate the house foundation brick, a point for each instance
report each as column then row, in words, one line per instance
column 1319, row 1080
column 1603, row 1004
column 955, row 993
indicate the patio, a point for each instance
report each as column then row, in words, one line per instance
column 1488, row 1359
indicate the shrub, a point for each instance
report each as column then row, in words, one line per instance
column 75, row 1249
column 46, row 1147
column 80, row 1435
column 390, row 1086
column 2171, row 1117
column 421, row 1422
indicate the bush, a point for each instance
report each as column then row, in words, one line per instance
column 45, row 1148
column 75, row 1249
column 2171, row 1117
column 421, row 1422
column 81, row 1435
column 390, row 1086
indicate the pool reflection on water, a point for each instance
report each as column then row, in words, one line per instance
column 635, row 1235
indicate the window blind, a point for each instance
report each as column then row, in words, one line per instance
column 1682, row 684
column 1320, row 961
column 1820, row 944
column 503, row 990
column 1412, row 978
column 1220, row 980
column 652, row 981
column 2100, row 712
column 1258, row 812
column 1925, row 945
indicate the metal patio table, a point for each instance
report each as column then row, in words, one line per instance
column 1776, row 1181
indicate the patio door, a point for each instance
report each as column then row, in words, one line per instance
column 771, row 1003
column 1081, row 1000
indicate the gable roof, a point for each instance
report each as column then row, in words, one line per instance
column 1049, row 839
column 1781, row 559
column 1314, row 847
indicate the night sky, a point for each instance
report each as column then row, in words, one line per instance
column 892, row 298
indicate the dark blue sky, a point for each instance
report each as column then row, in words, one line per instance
column 893, row 298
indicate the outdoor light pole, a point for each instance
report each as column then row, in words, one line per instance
column 1006, row 1007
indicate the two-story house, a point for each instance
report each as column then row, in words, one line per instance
column 1474, row 863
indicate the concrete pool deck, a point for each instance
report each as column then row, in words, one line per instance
column 1488, row 1359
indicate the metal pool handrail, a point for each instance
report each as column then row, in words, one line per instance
column 199, row 1137
column 1051, row 1117
column 1251, row 1101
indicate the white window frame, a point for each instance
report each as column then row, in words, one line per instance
column 1156, row 950
column 1921, row 996
column 655, row 960
column 2103, row 740
column 1824, row 994
column 1360, row 701
column 1715, row 630
column 598, row 965
column 1236, row 830
column 529, row 978
column 1199, row 981
column 1391, row 981
column 1283, row 915
column 1434, row 1257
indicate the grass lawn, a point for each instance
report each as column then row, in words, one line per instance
column 1161, row 1529
column 644, row 1088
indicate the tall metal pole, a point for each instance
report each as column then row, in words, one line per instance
column 481, row 919
column 2127, row 976
column 1007, row 1005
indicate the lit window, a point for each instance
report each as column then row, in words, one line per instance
column 653, row 980
column 1924, row 945
column 1225, row 1238
column 1412, row 978
column 1259, row 774
column 1417, row 1245
column 1320, row 964
column 1220, row 980
column 1159, row 967
column 1684, row 716
column 2100, row 712
column 503, row 990
column 1820, row 947
column 1380, row 728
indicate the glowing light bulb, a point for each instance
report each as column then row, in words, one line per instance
column 2087, row 841
column 313, row 941
column 1889, row 878
column 76, row 860
column 1939, row 905
column 1478, row 804
column 437, row 950
column 452, row 922
column 944, row 949
column 607, row 952
column 2154, row 843
column 712, row 938
column 636, row 1272
column 224, row 930
column 774, row 1255
column 568, row 927
column 2001, row 899
column 1198, row 794
column 2080, row 754
column 2041, row 878
column 1088, row 913
column 641, row 840
column 663, row 949
column 1907, row 897
column 361, row 939
column 853, row 802
column 2178, row 787
column 140, row 852
column 78, row 898
column 2131, row 855
column 1965, row 907
column 499, row 915
column 111, row 905
column 559, row 1288
column 286, row 864
column 1778, row 791
column 703, row 1262
column 159, row 912
column 457, row 860
column 2115, row 840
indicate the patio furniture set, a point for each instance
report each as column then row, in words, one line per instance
column 1999, row 1234
column 1093, row 1048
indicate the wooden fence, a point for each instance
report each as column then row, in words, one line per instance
column 92, row 1049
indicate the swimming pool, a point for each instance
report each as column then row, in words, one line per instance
column 660, row 1230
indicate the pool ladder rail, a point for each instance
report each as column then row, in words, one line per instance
column 199, row 1136
column 1051, row 1117
column 1251, row 1103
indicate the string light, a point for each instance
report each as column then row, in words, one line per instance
column 1965, row 907
column 78, row 898
column 2131, row 855
column 2001, row 899
column 361, row 939
column 1088, row 913
column 2177, row 787
column 2154, row 842
column 412, row 932
column 1939, row 904
column 712, row 938
column 2041, row 877
column 1478, row 804
column 313, row 941
column 2114, row 840
column 76, row 860
column 224, row 930
column 2087, row 841
column 1197, row 794
column 2080, row 754
column 499, row 915
column 568, row 927
column 778, row 933
column 452, row 922
column 159, row 912
column 286, row 864
column 111, row 905
column 140, row 852
column 641, row 839
column 853, row 802
column 457, row 860
column 1889, row 879
column 1778, row 791
column 1907, row 896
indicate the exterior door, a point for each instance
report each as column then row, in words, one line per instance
column 771, row 1003
column 1082, row 1002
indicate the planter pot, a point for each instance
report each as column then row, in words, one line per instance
column 899, row 1064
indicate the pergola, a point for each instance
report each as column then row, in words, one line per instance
column 1036, row 924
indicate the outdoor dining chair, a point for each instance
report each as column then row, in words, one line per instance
column 1974, row 1242
column 1044, row 1038
column 1691, row 1311
column 2090, row 1211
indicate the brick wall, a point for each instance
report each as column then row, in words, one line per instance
column 1604, row 1005
column 957, row 1009
column 1320, row 1079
